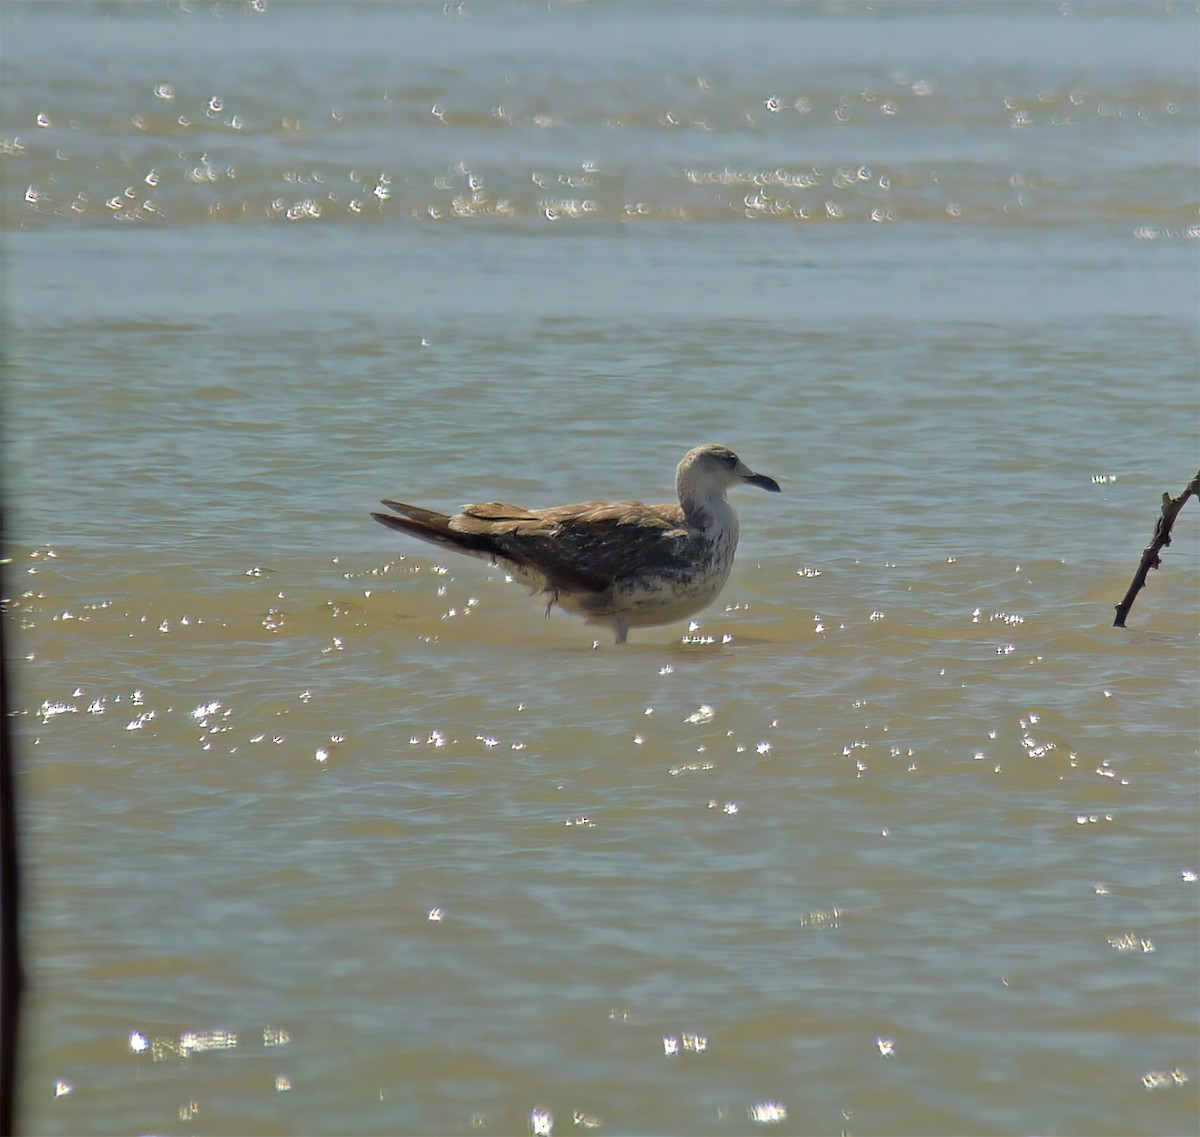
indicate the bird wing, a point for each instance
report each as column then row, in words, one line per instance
column 591, row 545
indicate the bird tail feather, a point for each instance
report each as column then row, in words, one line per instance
column 427, row 525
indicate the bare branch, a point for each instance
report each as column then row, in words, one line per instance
column 1162, row 538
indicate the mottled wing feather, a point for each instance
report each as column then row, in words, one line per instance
column 497, row 511
column 591, row 545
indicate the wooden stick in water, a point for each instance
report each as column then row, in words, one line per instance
column 1162, row 537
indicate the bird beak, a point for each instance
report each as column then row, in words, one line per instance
column 763, row 482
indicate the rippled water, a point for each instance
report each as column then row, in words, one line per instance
column 325, row 834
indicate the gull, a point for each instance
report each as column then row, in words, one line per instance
column 621, row 564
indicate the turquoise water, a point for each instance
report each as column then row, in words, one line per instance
column 324, row 833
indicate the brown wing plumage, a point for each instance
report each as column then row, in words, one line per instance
column 595, row 545
column 587, row 546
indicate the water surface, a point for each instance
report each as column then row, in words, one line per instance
column 327, row 834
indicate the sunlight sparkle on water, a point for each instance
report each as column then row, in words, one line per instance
column 49, row 710
column 1128, row 941
column 198, row 1041
column 822, row 918
column 1160, row 1080
column 184, row 1045
column 768, row 1112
